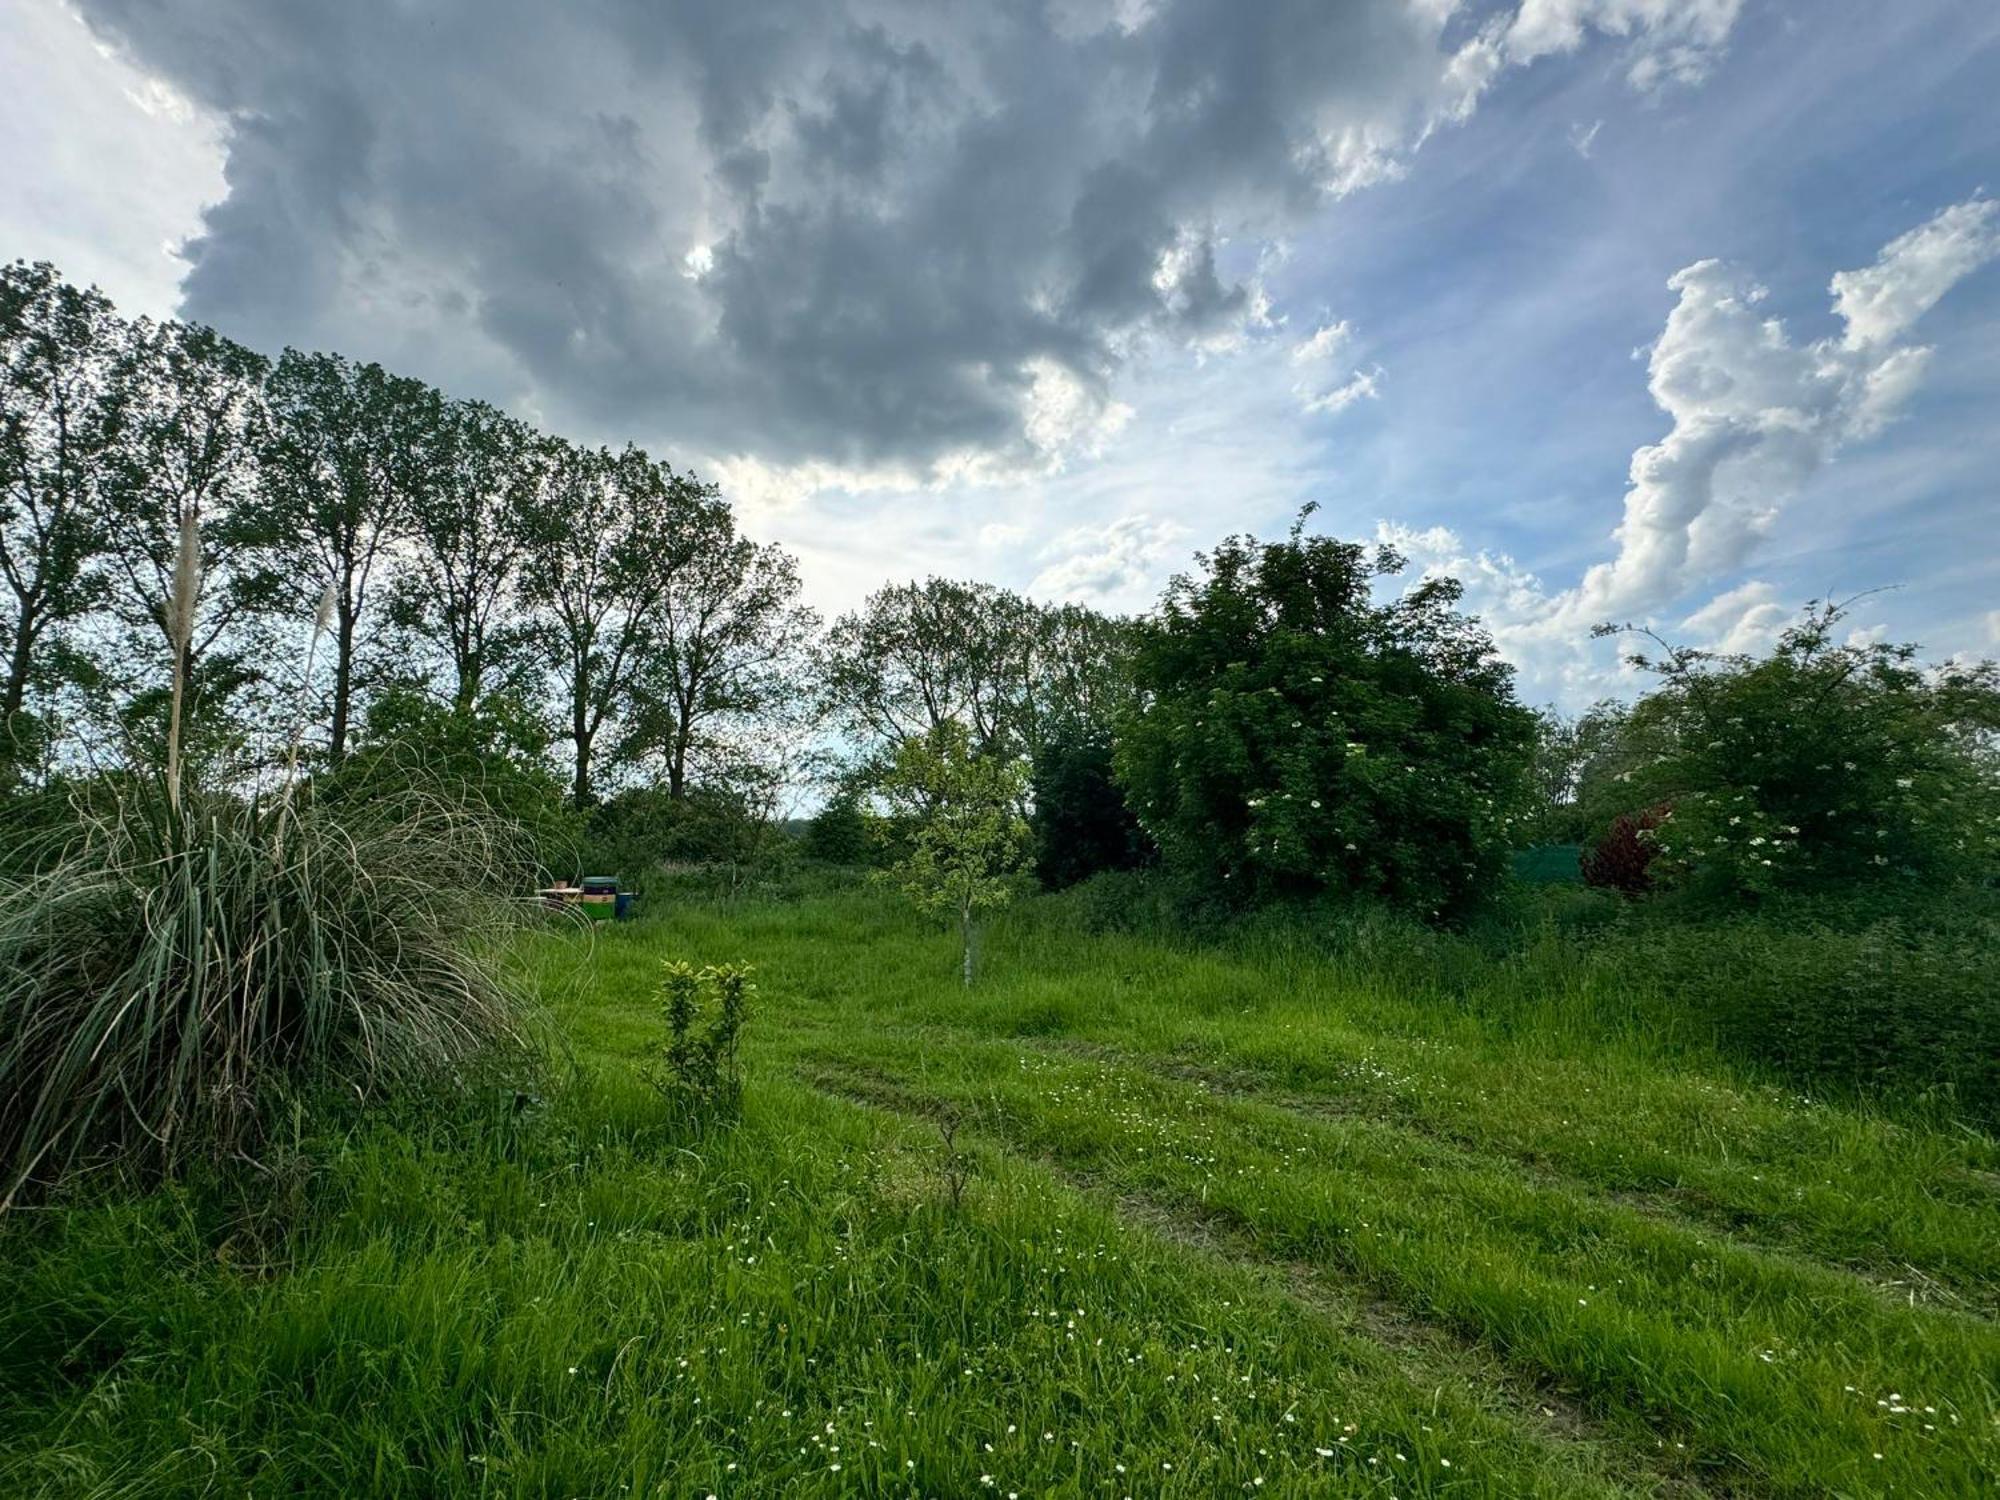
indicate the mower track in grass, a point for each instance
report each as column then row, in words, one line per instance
column 1689, row 1208
column 1768, row 1369
column 1426, row 1353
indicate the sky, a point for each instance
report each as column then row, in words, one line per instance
column 1679, row 312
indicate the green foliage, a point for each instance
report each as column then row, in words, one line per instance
column 490, row 754
column 1299, row 737
column 1081, row 824
column 1821, row 766
column 1015, row 673
column 838, row 833
column 177, row 977
column 1576, row 761
column 643, row 830
column 705, row 1009
column 965, row 831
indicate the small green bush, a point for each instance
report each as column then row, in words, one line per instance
column 704, row 1009
column 838, row 832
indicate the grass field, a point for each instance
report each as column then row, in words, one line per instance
column 1270, row 1219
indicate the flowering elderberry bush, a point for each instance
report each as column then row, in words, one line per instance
column 1297, row 737
column 1825, row 765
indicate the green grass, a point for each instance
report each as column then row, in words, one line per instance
column 1343, row 1222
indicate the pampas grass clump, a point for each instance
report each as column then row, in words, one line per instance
column 187, row 965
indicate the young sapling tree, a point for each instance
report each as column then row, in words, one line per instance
column 966, row 833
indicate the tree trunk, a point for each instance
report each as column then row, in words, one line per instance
column 15, row 696
column 466, row 696
column 20, row 662
column 965, row 937
column 343, row 686
column 580, row 786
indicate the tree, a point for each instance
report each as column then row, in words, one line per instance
column 725, row 652
column 1081, row 823
column 611, row 533
column 1076, row 683
column 966, row 835
column 62, row 404
column 349, row 449
column 188, row 458
column 1574, row 758
column 838, row 832
column 918, row 656
column 470, row 530
column 1298, row 737
column 1015, row 673
column 1823, row 765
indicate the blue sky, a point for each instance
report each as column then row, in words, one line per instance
column 1033, row 297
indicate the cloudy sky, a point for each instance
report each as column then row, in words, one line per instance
column 1683, row 311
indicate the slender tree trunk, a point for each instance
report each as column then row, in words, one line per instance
column 343, row 686
column 15, row 696
column 965, row 937
column 19, row 663
column 466, row 695
column 580, row 786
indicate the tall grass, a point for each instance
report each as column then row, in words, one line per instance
column 184, row 960
column 181, row 966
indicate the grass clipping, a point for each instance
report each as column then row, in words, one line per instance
column 188, row 966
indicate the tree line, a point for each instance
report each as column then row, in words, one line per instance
column 393, row 580
column 382, row 562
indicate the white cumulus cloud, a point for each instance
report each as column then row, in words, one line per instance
column 1108, row 564
column 1755, row 414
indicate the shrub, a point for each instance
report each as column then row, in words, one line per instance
column 181, row 970
column 697, row 1070
column 492, row 754
column 1622, row 860
column 1081, row 824
column 838, row 832
column 1301, row 738
column 1821, row 767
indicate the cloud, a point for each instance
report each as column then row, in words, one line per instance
column 1583, row 138
column 1108, row 564
column 1744, row 621
column 1914, row 270
column 1755, row 415
column 1362, row 385
column 1671, row 41
column 848, row 239
column 1327, row 341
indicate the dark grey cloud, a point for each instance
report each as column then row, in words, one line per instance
column 852, row 231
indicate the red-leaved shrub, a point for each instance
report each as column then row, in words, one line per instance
column 1621, row 860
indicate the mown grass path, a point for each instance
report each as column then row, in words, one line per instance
column 1258, row 1223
